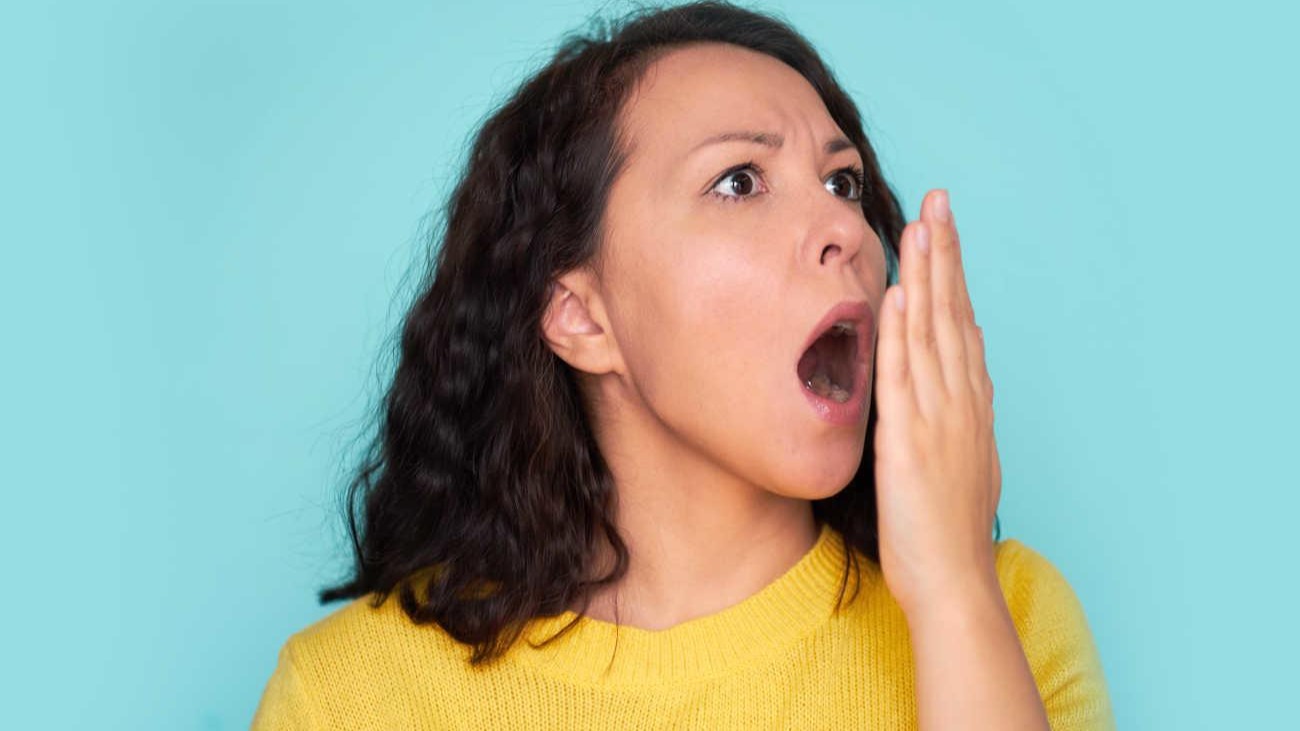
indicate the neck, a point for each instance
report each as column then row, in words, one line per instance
column 678, row 574
column 699, row 538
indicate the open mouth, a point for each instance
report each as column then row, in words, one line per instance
column 828, row 367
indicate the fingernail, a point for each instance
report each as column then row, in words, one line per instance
column 898, row 298
column 941, row 205
column 922, row 238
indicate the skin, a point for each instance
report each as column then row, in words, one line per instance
column 685, row 344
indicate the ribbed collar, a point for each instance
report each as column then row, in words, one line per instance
column 765, row 623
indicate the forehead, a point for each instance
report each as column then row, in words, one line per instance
column 691, row 92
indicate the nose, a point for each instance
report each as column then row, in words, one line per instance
column 838, row 231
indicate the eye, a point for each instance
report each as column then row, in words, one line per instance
column 738, row 181
column 855, row 175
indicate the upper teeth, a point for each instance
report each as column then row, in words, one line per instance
column 843, row 327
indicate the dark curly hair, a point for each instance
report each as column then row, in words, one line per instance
column 483, row 492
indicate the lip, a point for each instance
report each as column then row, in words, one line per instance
column 850, row 412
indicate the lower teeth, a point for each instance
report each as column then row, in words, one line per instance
column 822, row 386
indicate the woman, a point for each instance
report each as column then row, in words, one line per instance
column 680, row 371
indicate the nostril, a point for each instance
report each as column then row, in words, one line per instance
column 828, row 248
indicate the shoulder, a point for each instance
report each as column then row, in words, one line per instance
column 360, row 615
column 1031, row 583
column 365, row 633
column 1058, row 642
column 361, row 661
column 1040, row 598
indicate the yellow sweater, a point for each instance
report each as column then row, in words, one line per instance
column 779, row 659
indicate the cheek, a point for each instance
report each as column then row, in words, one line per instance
column 727, row 292
column 711, row 347
column 720, row 330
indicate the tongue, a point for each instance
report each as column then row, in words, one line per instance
column 825, row 369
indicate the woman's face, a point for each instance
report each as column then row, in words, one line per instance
column 714, row 284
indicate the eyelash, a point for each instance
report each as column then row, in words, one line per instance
column 857, row 173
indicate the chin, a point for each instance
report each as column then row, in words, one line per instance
column 824, row 480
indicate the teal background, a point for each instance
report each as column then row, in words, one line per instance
column 210, row 210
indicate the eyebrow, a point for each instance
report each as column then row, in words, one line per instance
column 769, row 139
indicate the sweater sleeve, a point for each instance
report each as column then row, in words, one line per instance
column 1058, row 642
column 286, row 705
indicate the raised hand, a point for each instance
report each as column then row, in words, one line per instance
column 938, row 479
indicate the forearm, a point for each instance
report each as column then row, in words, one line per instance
column 971, row 672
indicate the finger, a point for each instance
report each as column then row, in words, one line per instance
column 963, row 296
column 973, row 334
column 893, row 389
column 949, row 223
column 979, row 369
column 997, row 473
column 922, row 350
column 949, row 313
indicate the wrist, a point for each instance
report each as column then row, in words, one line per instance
column 969, row 595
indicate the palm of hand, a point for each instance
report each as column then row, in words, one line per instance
column 938, row 479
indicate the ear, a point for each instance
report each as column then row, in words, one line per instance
column 574, row 325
